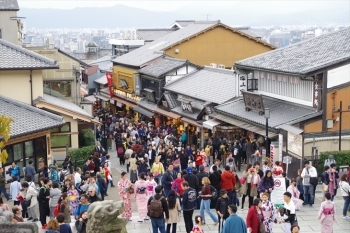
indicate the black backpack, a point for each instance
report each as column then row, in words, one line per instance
column 62, row 176
column 214, row 192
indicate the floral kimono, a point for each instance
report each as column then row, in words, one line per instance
column 123, row 189
column 151, row 185
column 73, row 196
column 269, row 213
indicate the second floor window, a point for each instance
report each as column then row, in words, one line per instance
column 59, row 89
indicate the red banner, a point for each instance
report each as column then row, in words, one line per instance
column 110, row 84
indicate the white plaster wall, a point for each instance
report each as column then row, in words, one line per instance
column 179, row 74
column 338, row 76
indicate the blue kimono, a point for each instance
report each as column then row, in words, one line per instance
column 234, row 223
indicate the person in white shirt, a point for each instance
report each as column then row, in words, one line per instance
column 77, row 176
column 288, row 217
column 109, row 165
column 345, row 192
column 216, row 163
column 15, row 188
column 309, row 174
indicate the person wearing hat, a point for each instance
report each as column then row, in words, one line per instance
column 222, row 207
column 288, row 217
column 53, row 174
column 191, row 178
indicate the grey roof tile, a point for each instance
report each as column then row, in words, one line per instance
column 153, row 50
column 62, row 104
column 27, row 119
column 281, row 112
column 305, row 56
column 208, row 84
column 327, row 134
column 162, row 67
column 184, row 23
column 16, row 57
column 148, row 105
column 9, row 5
column 152, row 34
column 193, row 116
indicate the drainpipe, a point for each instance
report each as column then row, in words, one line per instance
column 31, row 87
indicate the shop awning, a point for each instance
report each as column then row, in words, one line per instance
column 192, row 122
column 243, row 125
column 166, row 113
column 210, row 124
column 102, row 98
column 127, row 103
column 143, row 111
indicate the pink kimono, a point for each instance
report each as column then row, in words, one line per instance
column 123, row 188
column 295, row 196
column 326, row 215
column 141, row 195
column 151, row 185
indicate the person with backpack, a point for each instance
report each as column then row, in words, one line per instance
column 222, row 207
column 157, row 206
column 228, row 182
column 63, row 173
column 329, row 161
column 55, row 195
column 63, row 208
column 206, row 196
column 53, row 174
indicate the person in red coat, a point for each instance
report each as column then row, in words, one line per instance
column 228, row 182
column 255, row 216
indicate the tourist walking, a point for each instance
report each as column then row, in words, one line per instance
column 124, row 187
column 309, row 175
column 133, row 168
column 269, row 212
column 157, row 170
column 249, row 186
column 234, row 223
column 255, row 217
column 288, row 217
column 174, row 210
column 43, row 200
column 221, row 207
column 189, row 200
column 141, row 197
column 333, row 176
column 293, row 189
column 157, row 207
column 55, row 195
column 31, row 194
column 326, row 214
column 206, row 199
column 151, row 185
column 168, row 179
column 345, row 192
column 15, row 189
column 64, row 207
column 228, row 182
column 2, row 184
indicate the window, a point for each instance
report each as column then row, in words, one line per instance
column 60, row 136
column 29, row 149
column 58, row 89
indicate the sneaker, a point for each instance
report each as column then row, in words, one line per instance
column 346, row 217
column 44, row 227
column 35, row 220
column 146, row 218
column 30, row 219
column 140, row 220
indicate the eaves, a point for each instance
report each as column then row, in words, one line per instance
column 31, row 68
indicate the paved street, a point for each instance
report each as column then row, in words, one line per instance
column 306, row 217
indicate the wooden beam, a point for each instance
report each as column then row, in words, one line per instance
column 27, row 137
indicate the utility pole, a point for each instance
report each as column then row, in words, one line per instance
column 340, row 110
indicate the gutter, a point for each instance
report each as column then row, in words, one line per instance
column 269, row 70
column 31, row 87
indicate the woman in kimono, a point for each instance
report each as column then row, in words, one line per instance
column 124, row 186
column 151, row 185
column 73, row 197
column 293, row 189
column 141, row 196
column 268, row 211
column 277, row 170
column 326, row 214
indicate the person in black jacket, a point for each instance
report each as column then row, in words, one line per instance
column 43, row 200
column 189, row 202
column 158, row 222
column 167, row 179
column 191, row 179
column 222, row 207
column 101, row 183
column 215, row 178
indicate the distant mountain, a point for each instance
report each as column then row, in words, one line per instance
column 240, row 14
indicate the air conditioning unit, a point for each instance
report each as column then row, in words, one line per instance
column 213, row 65
column 177, row 51
column 329, row 124
column 221, row 66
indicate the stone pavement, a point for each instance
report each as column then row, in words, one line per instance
column 307, row 217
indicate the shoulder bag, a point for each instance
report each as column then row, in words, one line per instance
column 27, row 202
column 348, row 192
column 313, row 180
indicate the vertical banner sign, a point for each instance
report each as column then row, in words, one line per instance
column 137, row 84
column 280, row 146
column 272, row 153
column 278, row 191
column 109, row 77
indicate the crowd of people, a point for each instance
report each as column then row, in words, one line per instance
column 169, row 178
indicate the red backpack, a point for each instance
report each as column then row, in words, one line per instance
column 120, row 150
column 57, row 210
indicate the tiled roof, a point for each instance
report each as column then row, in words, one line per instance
column 194, row 115
column 102, row 80
column 162, row 67
column 208, row 84
column 305, row 56
column 27, row 119
column 62, row 104
column 327, row 134
column 281, row 112
column 72, row 57
column 153, row 33
column 153, row 50
column 9, row 5
column 184, row 23
column 170, row 99
column 16, row 57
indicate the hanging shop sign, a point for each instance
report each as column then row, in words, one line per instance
column 137, row 82
column 186, row 107
column 253, row 102
column 109, row 77
column 127, row 95
column 280, row 146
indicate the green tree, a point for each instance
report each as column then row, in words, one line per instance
column 86, row 138
column 5, row 130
